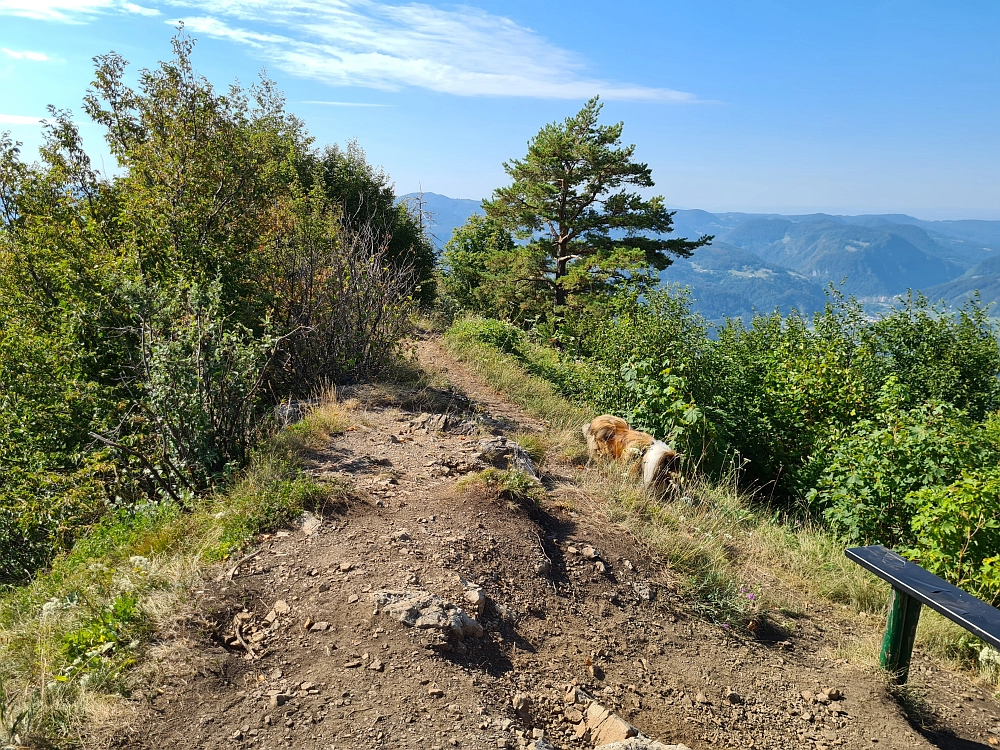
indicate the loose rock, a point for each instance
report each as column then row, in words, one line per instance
column 421, row 609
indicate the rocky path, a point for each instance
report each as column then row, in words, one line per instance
column 421, row 614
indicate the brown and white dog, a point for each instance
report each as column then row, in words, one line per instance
column 612, row 438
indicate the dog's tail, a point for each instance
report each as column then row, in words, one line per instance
column 659, row 461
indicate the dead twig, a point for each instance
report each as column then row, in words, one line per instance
column 239, row 638
column 232, row 570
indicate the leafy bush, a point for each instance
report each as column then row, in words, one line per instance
column 499, row 334
column 956, row 531
column 150, row 319
column 938, row 355
column 660, row 402
column 869, row 470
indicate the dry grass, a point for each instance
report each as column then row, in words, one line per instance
column 327, row 417
column 504, row 374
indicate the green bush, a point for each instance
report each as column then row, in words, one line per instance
column 869, row 469
column 660, row 402
column 499, row 334
column 150, row 319
column 956, row 531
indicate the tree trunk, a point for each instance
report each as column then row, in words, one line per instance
column 560, row 290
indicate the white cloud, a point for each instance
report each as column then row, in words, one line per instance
column 19, row 120
column 69, row 11
column 141, row 10
column 459, row 50
column 66, row 11
column 216, row 28
column 26, row 55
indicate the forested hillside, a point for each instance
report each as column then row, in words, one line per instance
column 760, row 263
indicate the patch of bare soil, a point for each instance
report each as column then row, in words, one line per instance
column 298, row 649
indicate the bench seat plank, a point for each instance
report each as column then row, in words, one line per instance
column 973, row 614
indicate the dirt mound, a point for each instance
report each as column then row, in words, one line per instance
column 419, row 615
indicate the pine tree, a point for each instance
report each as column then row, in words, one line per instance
column 571, row 197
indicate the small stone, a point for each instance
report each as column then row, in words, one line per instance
column 521, row 704
column 307, row 624
column 345, row 567
column 644, row 591
column 733, row 697
column 402, row 535
column 319, row 627
column 281, row 607
column 353, row 664
column 589, row 553
column 702, row 699
column 543, row 568
column 600, row 568
column 376, row 666
column 573, row 715
column 572, row 550
column 835, row 694
column 435, row 692
column 807, row 696
column 352, row 599
column 279, row 699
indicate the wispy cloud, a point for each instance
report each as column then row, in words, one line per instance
column 69, row 11
column 458, row 49
column 19, row 120
column 141, row 10
column 347, row 104
column 25, row 54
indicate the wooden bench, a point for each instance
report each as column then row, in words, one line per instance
column 911, row 587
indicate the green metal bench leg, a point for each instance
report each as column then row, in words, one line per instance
column 900, row 632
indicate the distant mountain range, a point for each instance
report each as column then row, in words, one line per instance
column 763, row 262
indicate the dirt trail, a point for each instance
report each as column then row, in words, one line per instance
column 555, row 613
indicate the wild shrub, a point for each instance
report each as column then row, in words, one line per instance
column 500, row 335
column 955, row 531
column 939, row 355
column 869, row 470
column 150, row 319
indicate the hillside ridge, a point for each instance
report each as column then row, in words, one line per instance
column 295, row 646
column 875, row 257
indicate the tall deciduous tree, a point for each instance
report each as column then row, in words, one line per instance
column 571, row 195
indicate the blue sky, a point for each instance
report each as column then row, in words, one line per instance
column 844, row 107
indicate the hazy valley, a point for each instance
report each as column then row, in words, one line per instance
column 759, row 262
